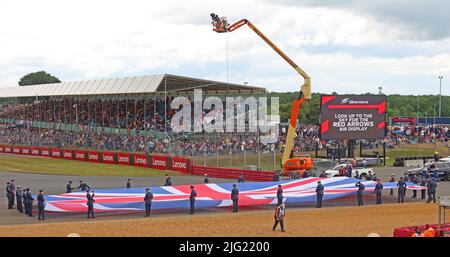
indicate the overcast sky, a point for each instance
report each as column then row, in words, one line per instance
column 351, row 46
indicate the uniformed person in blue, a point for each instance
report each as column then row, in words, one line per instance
column 41, row 205
column 319, row 193
column 90, row 203
column 192, row 199
column 401, row 190
column 241, row 178
column 235, row 197
column 392, row 180
column 29, row 202
column 279, row 195
column 129, row 183
column 69, row 187
column 378, row 191
column 10, row 195
column 19, row 198
column 168, row 181
column 206, row 179
column 83, row 186
column 360, row 192
column 423, row 182
column 415, row 181
column 431, row 190
column 148, row 202
column 25, row 201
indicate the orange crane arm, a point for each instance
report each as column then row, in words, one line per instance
column 221, row 25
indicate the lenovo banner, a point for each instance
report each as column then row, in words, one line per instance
column 180, row 164
column 140, row 160
column 2, row 149
column 108, row 157
column 45, row 151
column 353, row 117
column 80, row 155
column 35, row 151
column 67, row 154
column 8, row 149
column 123, row 158
column 16, row 149
column 56, row 153
column 26, row 150
column 93, row 156
column 159, row 162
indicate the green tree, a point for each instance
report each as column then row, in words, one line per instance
column 35, row 78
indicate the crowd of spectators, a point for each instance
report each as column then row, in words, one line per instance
column 133, row 113
column 148, row 114
column 411, row 134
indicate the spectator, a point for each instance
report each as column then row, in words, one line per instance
column 418, row 233
column 429, row 231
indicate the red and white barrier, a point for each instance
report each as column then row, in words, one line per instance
column 45, row 151
column 123, row 158
column 140, row 160
column 56, row 153
column 93, row 156
column 108, row 157
column 180, row 164
column 35, row 151
column 67, row 154
column 159, row 162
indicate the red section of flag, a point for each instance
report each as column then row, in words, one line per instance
column 381, row 125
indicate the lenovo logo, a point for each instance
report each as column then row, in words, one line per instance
column 124, row 159
column 159, row 163
column 181, row 165
column 108, row 158
column 140, row 161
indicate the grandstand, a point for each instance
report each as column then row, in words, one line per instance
column 128, row 114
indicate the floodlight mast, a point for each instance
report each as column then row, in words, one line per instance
column 221, row 25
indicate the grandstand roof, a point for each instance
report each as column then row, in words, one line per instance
column 128, row 85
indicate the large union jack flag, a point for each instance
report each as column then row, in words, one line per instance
column 212, row 195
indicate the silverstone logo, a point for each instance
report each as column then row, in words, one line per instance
column 345, row 100
column 240, row 115
column 349, row 101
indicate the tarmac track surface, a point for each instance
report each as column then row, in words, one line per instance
column 55, row 184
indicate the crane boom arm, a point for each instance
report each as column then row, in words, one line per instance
column 221, row 26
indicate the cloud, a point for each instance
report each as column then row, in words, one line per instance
column 351, row 48
column 423, row 19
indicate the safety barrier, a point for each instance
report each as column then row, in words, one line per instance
column 251, row 175
column 178, row 164
column 400, row 161
column 408, row 231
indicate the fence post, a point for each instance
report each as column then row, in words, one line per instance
column 244, row 159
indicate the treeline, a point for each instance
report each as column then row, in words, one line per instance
column 397, row 105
